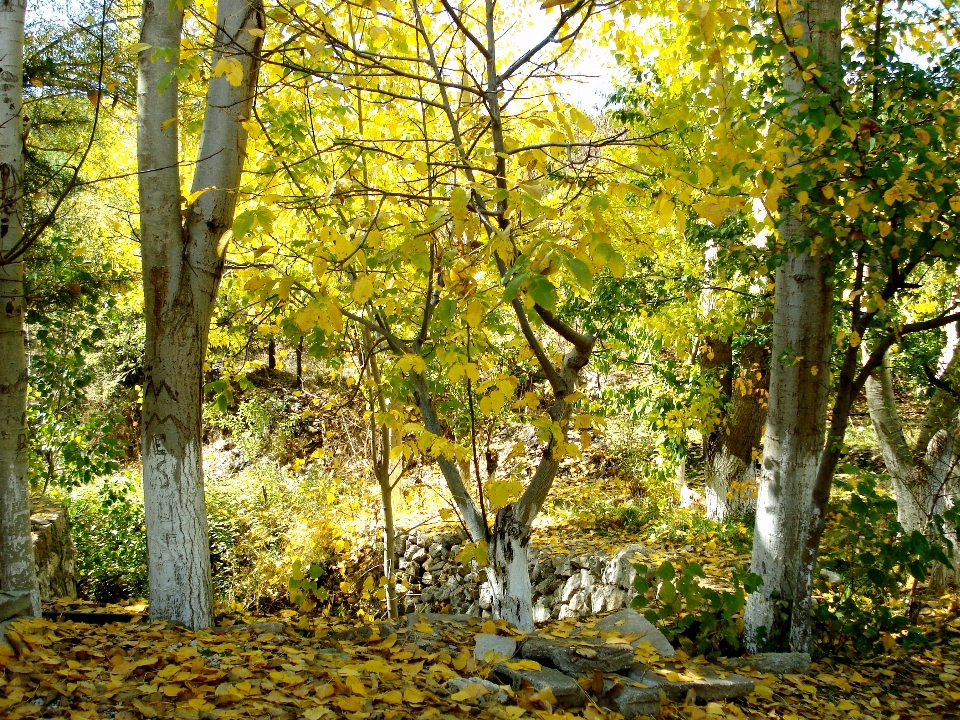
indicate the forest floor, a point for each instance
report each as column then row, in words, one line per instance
column 289, row 665
column 316, row 667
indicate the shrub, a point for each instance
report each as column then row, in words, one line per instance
column 703, row 620
column 110, row 539
column 870, row 571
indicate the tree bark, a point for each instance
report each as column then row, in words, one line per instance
column 17, row 566
column 796, row 422
column 787, row 515
column 183, row 253
column 924, row 481
column 729, row 464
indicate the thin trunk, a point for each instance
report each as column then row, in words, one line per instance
column 272, row 354
column 17, row 566
column 908, row 485
column 380, row 446
column 300, row 364
column 183, row 252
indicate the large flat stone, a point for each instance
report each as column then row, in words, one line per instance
column 503, row 647
column 565, row 689
column 711, row 685
column 578, row 656
column 635, row 629
column 629, row 699
column 779, row 663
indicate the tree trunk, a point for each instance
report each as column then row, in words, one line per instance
column 508, row 572
column 729, row 462
column 796, row 421
column 272, row 354
column 909, row 486
column 183, row 253
column 925, row 481
column 799, row 388
column 17, row 567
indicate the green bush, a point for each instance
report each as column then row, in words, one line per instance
column 869, row 594
column 261, row 522
column 260, row 425
column 702, row 620
column 110, row 539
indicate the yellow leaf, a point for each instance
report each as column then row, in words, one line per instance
column 846, row 705
column 231, row 68
column 855, row 342
column 705, row 176
column 394, row 697
column 356, row 685
column 167, row 123
column 353, row 703
column 474, row 313
column 524, row 665
column 412, row 695
column 763, row 691
column 501, row 492
column 710, row 211
column 489, row 627
column 362, row 290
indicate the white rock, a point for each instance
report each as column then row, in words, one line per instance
column 504, row 647
column 630, row 622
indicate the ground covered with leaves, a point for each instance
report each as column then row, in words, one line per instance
column 289, row 666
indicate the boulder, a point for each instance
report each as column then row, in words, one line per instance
column 504, row 647
column 706, row 682
column 635, row 629
column 565, row 689
column 579, row 656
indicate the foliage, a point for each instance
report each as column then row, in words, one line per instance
column 261, row 424
column 110, row 540
column 703, row 620
column 871, row 570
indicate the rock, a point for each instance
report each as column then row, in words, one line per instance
column 562, row 565
column 13, row 604
column 491, row 693
column 779, row 663
column 619, row 570
column 630, row 700
column 541, row 611
column 565, row 689
column 636, row 629
column 53, row 548
column 712, row 685
column 578, row 656
column 571, row 587
column 504, row 647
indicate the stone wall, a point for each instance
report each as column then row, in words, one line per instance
column 564, row 586
column 53, row 547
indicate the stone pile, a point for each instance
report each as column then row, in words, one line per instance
column 564, row 586
column 602, row 661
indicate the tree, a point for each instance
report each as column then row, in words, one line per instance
column 17, row 566
column 446, row 224
column 183, row 249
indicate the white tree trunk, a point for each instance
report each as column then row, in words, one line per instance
column 509, row 573
column 796, row 423
column 183, row 252
column 17, row 567
column 799, row 390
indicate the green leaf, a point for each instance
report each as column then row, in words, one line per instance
column 543, row 292
column 581, row 271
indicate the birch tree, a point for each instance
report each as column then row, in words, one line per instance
column 17, row 566
column 183, row 241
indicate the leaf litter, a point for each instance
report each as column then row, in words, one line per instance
column 289, row 667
